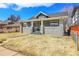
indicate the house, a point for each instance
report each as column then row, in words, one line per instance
column 75, row 20
column 9, row 27
column 75, row 16
column 42, row 23
column 13, row 27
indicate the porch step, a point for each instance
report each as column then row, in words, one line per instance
column 37, row 32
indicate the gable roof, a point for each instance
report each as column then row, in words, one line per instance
column 40, row 13
column 13, row 25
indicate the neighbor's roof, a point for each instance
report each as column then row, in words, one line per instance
column 13, row 25
column 1, row 22
column 65, row 13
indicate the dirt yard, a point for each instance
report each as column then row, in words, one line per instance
column 41, row 45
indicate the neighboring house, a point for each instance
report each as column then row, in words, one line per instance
column 1, row 26
column 75, row 20
column 75, row 16
column 13, row 27
column 42, row 23
column 9, row 27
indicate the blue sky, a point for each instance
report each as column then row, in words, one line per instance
column 28, row 10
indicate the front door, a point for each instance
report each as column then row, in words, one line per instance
column 36, row 27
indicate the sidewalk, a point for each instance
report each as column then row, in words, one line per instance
column 7, row 52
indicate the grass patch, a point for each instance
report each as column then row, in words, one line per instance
column 41, row 45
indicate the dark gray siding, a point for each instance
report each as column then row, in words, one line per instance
column 58, row 30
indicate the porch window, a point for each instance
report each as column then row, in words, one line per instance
column 51, row 23
column 24, row 24
column 28, row 24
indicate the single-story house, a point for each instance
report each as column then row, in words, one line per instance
column 42, row 23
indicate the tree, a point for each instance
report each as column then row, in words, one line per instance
column 17, row 18
column 14, row 18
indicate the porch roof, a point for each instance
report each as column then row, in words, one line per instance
column 44, row 19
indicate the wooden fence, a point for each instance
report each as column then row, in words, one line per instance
column 75, row 38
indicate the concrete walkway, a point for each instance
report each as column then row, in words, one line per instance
column 7, row 52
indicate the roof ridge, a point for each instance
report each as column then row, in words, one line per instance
column 39, row 13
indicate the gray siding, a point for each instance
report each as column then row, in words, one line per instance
column 54, row 30
column 27, row 30
column 58, row 30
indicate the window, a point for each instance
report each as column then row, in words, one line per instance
column 28, row 24
column 54, row 23
column 24, row 24
column 51, row 23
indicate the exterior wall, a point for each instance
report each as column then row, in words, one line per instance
column 10, row 29
column 54, row 30
column 27, row 30
column 75, row 18
column 1, row 30
column 58, row 30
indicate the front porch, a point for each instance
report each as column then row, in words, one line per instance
column 52, row 26
column 37, row 27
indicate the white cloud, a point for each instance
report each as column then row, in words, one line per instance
column 24, row 3
column 32, row 5
column 3, row 6
column 20, row 6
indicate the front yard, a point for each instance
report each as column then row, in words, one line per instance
column 5, row 36
column 41, row 45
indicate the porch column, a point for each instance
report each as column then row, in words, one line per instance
column 41, row 28
column 31, row 26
